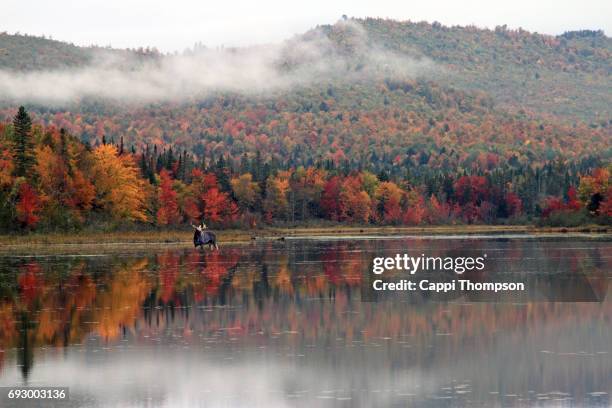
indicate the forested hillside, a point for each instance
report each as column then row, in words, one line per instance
column 27, row 53
column 568, row 75
column 397, row 123
column 51, row 180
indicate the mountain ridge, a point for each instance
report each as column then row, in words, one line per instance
column 491, row 91
column 566, row 75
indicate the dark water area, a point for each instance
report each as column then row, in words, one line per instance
column 294, row 323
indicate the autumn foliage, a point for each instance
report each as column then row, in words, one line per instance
column 28, row 206
column 168, row 212
column 72, row 185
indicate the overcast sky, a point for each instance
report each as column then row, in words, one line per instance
column 173, row 25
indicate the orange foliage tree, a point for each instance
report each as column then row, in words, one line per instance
column 120, row 189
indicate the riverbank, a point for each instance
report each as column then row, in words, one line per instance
column 38, row 241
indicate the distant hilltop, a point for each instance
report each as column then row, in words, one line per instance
column 349, row 69
column 568, row 35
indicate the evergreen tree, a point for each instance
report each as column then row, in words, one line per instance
column 23, row 143
column 144, row 168
column 383, row 176
column 256, row 167
column 169, row 162
column 161, row 163
column 222, row 173
column 244, row 164
column 179, row 167
column 188, row 166
column 65, row 151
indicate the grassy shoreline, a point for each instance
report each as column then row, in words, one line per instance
column 183, row 237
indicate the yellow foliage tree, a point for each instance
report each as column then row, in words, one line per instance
column 119, row 188
column 276, row 204
column 245, row 190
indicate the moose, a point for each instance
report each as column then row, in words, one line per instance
column 201, row 237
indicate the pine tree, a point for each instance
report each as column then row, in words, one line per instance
column 383, row 176
column 244, row 164
column 222, row 173
column 160, row 163
column 23, row 143
column 65, row 151
column 256, row 166
column 169, row 164
column 179, row 167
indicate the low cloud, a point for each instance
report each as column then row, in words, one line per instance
column 301, row 61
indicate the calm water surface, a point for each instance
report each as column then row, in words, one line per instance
column 276, row 324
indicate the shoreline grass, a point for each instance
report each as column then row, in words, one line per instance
column 184, row 237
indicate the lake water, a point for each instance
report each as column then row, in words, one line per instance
column 294, row 323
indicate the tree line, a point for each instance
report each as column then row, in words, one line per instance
column 50, row 180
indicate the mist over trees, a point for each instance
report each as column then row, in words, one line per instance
column 366, row 122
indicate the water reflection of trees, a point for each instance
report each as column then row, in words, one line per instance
column 257, row 293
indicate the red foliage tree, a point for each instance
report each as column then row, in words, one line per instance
column 471, row 189
column 605, row 208
column 555, row 204
column 168, row 212
column 416, row 212
column 218, row 207
column 191, row 209
column 28, row 206
column 572, row 200
column 551, row 205
column 330, row 199
column 514, row 204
